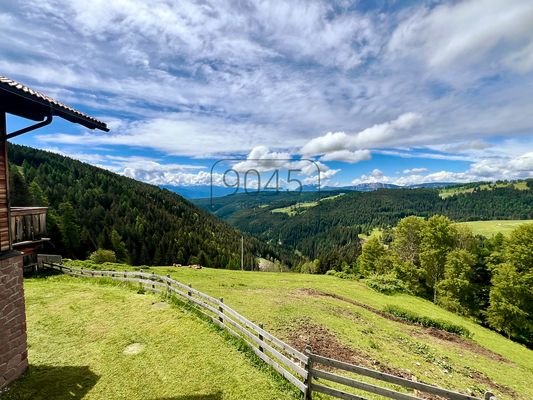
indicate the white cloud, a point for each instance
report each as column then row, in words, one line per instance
column 147, row 169
column 347, row 156
column 463, row 35
column 174, row 178
column 414, row 170
column 374, row 176
column 262, row 159
column 376, row 135
column 221, row 77
column 502, row 168
column 330, row 142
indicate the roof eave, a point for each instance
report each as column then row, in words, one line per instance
column 49, row 108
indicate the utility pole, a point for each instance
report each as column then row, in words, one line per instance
column 242, row 253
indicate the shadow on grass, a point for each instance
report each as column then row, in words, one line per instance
column 50, row 382
column 213, row 396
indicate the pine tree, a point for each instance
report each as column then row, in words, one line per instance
column 119, row 247
column 455, row 290
column 70, row 230
column 511, row 295
column 37, row 196
column 438, row 239
column 373, row 250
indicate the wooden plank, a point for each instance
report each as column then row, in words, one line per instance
column 391, row 378
column 288, row 363
column 392, row 394
column 295, row 353
column 290, row 350
column 287, row 375
column 334, row 392
column 197, row 302
column 149, row 286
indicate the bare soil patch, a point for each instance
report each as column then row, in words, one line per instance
column 461, row 343
column 485, row 380
column 448, row 337
column 325, row 343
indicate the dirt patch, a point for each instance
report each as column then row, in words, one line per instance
column 325, row 343
column 132, row 349
column 315, row 292
column 486, row 381
column 448, row 337
column 461, row 343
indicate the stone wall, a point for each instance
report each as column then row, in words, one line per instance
column 13, row 346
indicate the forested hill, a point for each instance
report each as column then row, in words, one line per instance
column 328, row 230
column 92, row 208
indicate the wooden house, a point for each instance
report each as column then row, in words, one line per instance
column 22, row 229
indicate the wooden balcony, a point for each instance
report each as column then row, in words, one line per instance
column 28, row 225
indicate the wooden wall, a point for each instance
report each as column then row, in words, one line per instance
column 4, row 188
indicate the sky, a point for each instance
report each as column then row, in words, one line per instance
column 400, row 92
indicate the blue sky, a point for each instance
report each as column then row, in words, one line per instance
column 399, row 92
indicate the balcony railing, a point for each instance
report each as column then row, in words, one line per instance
column 28, row 224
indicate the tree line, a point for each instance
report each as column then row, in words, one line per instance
column 91, row 208
column 490, row 279
column 329, row 232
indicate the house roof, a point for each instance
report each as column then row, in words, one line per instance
column 20, row 100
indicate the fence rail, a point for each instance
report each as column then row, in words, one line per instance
column 300, row 369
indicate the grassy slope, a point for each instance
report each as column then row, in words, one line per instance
column 298, row 207
column 485, row 228
column 279, row 302
column 79, row 329
column 489, row 228
column 450, row 191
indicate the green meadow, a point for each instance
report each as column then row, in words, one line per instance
column 338, row 318
column 490, row 228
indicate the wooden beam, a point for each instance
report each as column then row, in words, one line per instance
column 5, row 214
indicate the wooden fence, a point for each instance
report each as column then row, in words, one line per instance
column 315, row 373
column 301, row 369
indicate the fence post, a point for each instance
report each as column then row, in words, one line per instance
column 189, row 293
column 261, row 338
column 309, row 368
column 221, row 310
column 489, row 396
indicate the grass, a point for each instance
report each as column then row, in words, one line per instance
column 484, row 228
column 78, row 331
column 453, row 190
column 300, row 207
column 282, row 301
column 490, row 228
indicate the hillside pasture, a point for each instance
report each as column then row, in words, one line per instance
column 300, row 207
column 490, row 228
column 344, row 319
column 453, row 190
column 95, row 340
